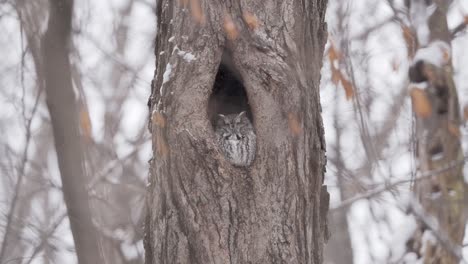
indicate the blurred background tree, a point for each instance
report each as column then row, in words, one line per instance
column 111, row 65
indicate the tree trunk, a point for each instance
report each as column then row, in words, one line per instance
column 64, row 117
column 202, row 209
column 439, row 149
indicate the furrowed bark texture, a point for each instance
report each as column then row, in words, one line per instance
column 64, row 116
column 201, row 209
column 439, row 149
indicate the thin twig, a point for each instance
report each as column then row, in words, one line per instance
column 21, row 172
column 432, row 224
column 389, row 186
column 461, row 27
column 49, row 233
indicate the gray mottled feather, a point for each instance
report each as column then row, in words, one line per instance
column 236, row 138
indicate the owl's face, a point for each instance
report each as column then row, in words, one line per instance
column 232, row 127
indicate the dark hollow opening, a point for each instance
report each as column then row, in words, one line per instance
column 228, row 95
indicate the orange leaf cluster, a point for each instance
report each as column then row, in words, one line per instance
column 338, row 77
column 294, row 125
column 421, row 105
column 230, row 28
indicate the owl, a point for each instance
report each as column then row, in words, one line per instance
column 236, row 138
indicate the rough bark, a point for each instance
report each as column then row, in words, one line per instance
column 201, row 209
column 439, row 149
column 64, row 116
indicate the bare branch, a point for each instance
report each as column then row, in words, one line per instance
column 432, row 224
column 391, row 185
column 21, row 172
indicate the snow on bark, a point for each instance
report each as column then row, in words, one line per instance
column 436, row 53
column 420, row 14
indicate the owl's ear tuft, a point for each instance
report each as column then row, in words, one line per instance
column 240, row 116
column 222, row 120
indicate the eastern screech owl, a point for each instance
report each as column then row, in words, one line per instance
column 236, row 138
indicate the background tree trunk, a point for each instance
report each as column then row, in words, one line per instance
column 64, row 116
column 201, row 209
column 442, row 196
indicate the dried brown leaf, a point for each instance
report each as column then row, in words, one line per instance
column 251, row 20
column 348, row 87
column 335, row 76
column 294, row 124
column 161, row 145
column 197, row 12
column 421, row 104
column 454, row 130
column 183, row 3
column 446, row 55
column 338, row 77
column 410, row 40
column 85, row 123
column 333, row 53
column 230, row 28
column 158, row 119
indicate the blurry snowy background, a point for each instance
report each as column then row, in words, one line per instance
column 112, row 63
column 369, row 136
